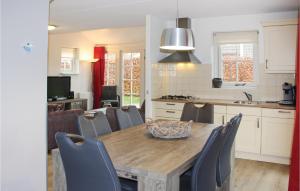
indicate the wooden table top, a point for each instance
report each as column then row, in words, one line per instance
column 135, row 150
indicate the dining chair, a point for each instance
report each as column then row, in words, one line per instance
column 203, row 114
column 202, row 176
column 224, row 159
column 123, row 119
column 88, row 166
column 94, row 127
column 135, row 116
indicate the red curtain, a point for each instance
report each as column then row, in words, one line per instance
column 98, row 75
column 294, row 167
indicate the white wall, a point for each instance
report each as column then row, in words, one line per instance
column 23, row 95
column 195, row 80
column 154, row 28
column 79, row 83
column 113, row 39
column 0, row 94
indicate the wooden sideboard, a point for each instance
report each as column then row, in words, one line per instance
column 68, row 104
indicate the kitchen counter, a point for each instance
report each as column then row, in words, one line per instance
column 229, row 102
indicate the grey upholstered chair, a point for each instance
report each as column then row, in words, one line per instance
column 123, row 119
column 129, row 118
column 203, row 114
column 88, row 166
column 224, row 159
column 135, row 115
column 94, row 127
column 202, row 176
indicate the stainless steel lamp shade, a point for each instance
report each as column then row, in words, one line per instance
column 177, row 39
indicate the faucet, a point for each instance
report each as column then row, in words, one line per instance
column 249, row 96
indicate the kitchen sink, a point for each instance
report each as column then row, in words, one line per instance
column 246, row 102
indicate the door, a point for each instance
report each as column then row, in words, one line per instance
column 280, row 48
column 132, row 78
column 277, row 136
column 248, row 138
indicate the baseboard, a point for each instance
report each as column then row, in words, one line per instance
column 264, row 158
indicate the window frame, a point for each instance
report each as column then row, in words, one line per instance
column 218, row 67
column 131, row 80
column 107, row 69
column 75, row 62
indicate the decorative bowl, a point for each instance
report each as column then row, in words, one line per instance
column 167, row 129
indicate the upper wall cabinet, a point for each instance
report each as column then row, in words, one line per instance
column 280, row 39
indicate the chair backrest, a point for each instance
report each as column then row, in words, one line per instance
column 204, row 170
column 109, row 93
column 203, row 114
column 87, row 165
column 94, row 127
column 101, row 124
column 62, row 121
column 224, row 159
column 111, row 114
column 135, row 115
column 123, row 118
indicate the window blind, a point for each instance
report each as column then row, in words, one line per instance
column 236, row 37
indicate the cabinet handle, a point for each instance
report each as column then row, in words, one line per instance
column 266, row 63
column 258, row 123
column 170, row 103
column 280, row 111
column 223, row 119
column 170, row 111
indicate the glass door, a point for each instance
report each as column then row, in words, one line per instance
column 131, row 78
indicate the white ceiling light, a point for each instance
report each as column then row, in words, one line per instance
column 179, row 38
column 51, row 27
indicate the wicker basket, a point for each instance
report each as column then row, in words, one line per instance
column 169, row 129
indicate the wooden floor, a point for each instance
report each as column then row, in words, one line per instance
column 248, row 176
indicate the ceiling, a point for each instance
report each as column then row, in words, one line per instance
column 76, row 15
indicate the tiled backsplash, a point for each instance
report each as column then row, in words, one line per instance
column 195, row 80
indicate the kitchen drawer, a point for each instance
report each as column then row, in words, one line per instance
column 167, row 113
column 167, row 105
column 254, row 111
column 278, row 113
column 220, row 108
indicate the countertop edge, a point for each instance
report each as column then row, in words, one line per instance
column 229, row 103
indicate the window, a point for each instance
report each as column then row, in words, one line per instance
column 237, row 58
column 131, row 79
column 110, row 72
column 69, row 63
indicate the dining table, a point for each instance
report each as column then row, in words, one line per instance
column 156, row 164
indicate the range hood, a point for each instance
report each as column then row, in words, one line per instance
column 181, row 56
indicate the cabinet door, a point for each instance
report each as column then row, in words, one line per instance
column 219, row 119
column 277, row 136
column 248, row 138
column 280, row 48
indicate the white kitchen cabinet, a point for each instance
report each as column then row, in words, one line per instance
column 220, row 114
column 277, row 132
column 280, row 47
column 248, row 138
column 167, row 110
